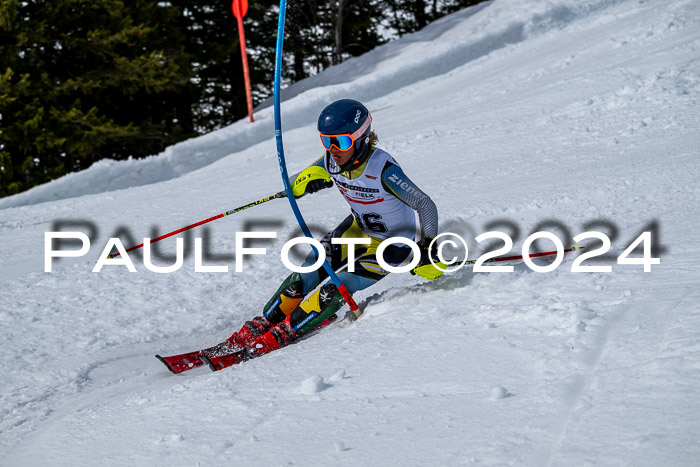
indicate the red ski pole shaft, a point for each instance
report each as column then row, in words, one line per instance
column 281, row 194
column 536, row 255
column 533, row 255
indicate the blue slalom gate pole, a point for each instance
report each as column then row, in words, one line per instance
column 283, row 165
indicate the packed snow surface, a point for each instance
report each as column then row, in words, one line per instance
column 515, row 116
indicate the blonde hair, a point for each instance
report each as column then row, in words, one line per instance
column 373, row 139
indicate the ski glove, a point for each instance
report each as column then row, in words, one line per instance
column 317, row 185
column 426, row 252
column 311, row 180
column 425, row 268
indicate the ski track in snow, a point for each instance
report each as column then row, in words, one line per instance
column 581, row 384
column 512, row 115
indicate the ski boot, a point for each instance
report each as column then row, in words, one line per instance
column 250, row 331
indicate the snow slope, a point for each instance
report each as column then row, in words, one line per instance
column 515, row 116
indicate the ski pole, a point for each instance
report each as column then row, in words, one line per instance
column 281, row 194
column 466, row 262
column 432, row 274
column 533, row 255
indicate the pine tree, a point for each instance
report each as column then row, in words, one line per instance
column 86, row 80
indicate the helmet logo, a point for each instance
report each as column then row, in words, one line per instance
column 357, row 117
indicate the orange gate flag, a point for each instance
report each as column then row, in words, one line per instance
column 240, row 8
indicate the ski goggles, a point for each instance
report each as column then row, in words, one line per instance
column 345, row 141
column 342, row 142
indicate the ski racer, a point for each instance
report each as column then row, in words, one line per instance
column 382, row 200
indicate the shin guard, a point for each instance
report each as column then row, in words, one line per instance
column 316, row 309
column 285, row 300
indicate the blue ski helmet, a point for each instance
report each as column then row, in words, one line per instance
column 347, row 117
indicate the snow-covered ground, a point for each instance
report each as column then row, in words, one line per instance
column 513, row 116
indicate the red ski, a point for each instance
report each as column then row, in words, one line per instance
column 189, row 360
column 220, row 356
column 225, row 361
